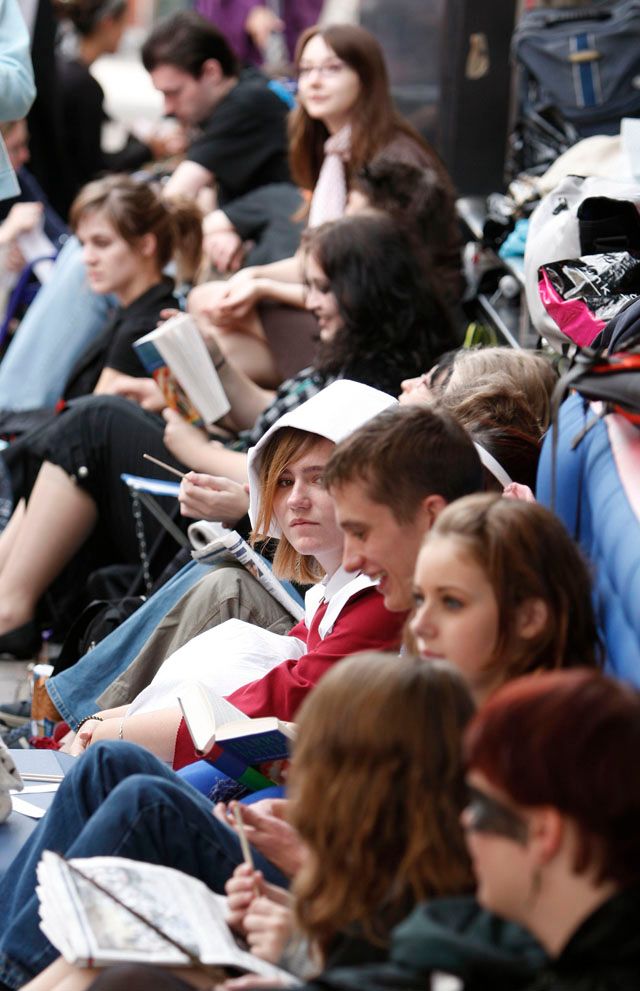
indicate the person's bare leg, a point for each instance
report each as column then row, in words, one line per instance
column 61, row 974
column 243, row 342
column 10, row 532
column 58, row 519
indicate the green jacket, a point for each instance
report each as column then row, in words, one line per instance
column 451, row 935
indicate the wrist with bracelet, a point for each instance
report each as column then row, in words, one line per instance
column 87, row 719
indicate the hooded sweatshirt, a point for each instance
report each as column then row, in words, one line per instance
column 343, row 614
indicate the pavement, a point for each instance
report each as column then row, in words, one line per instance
column 12, row 680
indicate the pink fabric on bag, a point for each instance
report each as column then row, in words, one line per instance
column 573, row 316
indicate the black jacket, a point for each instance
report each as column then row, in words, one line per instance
column 603, row 954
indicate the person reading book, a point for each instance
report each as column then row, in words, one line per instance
column 376, row 795
column 123, row 664
column 109, row 795
column 263, row 674
column 388, row 324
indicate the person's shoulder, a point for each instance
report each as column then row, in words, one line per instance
column 252, row 92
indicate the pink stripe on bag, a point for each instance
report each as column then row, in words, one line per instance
column 573, row 316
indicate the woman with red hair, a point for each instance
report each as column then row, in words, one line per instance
column 553, row 822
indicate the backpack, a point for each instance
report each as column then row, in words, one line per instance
column 578, row 73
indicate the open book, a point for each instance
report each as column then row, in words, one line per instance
column 213, row 543
column 155, row 915
column 251, row 751
column 177, row 358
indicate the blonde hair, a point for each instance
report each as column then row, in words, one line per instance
column 286, row 445
column 376, row 790
column 527, row 373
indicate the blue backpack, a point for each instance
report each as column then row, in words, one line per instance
column 578, row 74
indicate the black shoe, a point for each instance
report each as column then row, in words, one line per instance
column 15, row 714
column 22, row 643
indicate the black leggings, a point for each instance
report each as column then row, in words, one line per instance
column 94, row 441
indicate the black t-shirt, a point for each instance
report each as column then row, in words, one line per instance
column 83, row 116
column 114, row 347
column 244, row 142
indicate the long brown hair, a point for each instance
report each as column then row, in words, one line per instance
column 284, row 446
column 374, row 120
column 376, row 791
column 135, row 209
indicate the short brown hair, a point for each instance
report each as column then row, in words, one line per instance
column 405, row 454
column 283, row 447
column 187, row 40
column 570, row 740
column 376, row 792
column 137, row 208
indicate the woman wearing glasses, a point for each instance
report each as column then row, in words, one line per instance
column 344, row 120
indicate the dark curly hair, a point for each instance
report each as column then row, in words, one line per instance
column 395, row 324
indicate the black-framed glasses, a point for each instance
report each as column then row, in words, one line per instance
column 484, row 814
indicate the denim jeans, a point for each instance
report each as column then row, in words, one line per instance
column 64, row 318
column 119, row 800
column 75, row 691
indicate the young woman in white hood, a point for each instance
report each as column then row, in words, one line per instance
column 263, row 673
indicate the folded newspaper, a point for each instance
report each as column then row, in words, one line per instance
column 213, row 543
column 160, row 916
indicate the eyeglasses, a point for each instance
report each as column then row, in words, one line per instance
column 484, row 814
column 325, row 69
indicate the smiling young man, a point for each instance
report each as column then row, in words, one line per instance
column 389, row 480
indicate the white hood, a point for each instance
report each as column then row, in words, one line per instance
column 334, row 413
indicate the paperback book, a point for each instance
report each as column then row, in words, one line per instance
column 175, row 356
column 254, row 752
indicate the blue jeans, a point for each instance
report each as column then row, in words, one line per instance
column 75, row 691
column 64, row 318
column 119, row 800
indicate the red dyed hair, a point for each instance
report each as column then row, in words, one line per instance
column 570, row 740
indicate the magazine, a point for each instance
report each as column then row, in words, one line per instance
column 177, row 358
column 104, row 910
column 213, row 543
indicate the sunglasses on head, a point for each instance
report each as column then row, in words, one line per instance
column 484, row 814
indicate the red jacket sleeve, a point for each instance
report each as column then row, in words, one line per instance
column 363, row 624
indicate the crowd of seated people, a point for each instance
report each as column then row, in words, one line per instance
column 460, row 796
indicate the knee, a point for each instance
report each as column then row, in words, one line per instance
column 109, row 762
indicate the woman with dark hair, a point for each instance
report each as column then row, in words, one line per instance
column 364, row 280
column 98, row 26
column 552, row 822
column 345, row 118
column 78, row 491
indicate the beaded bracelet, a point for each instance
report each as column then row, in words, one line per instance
column 86, row 720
